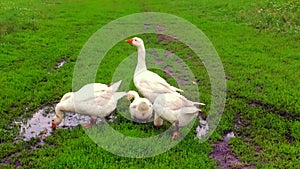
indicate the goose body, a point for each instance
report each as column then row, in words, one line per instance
column 141, row 109
column 94, row 99
column 176, row 109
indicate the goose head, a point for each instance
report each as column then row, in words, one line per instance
column 131, row 95
column 138, row 42
column 56, row 120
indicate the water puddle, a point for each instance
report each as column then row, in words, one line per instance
column 61, row 63
column 228, row 136
column 202, row 129
column 40, row 123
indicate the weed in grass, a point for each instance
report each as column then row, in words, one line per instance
column 278, row 16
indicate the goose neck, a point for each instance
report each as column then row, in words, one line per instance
column 141, row 65
column 134, row 95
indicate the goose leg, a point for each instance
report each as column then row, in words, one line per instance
column 157, row 120
column 86, row 125
column 176, row 130
column 92, row 122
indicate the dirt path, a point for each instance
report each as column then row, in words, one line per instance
column 224, row 157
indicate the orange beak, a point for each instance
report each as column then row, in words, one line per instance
column 53, row 126
column 129, row 41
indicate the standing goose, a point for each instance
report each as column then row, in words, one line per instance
column 95, row 100
column 148, row 83
column 141, row 109
column 176, row 109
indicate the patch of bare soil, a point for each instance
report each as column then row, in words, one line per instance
column 224, row 157
column 270, row 108
column 8, row 160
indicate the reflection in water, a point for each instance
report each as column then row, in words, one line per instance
column 40, row 123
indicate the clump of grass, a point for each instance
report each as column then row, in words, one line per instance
column 17, row 17
column 278, row 16
column 295, row 130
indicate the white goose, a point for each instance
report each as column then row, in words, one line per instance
column 141, row 109
column 148, row 83
column 95, row 99
column 176, row 109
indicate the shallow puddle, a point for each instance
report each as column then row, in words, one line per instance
column 228, row 136
column 202, row 129
column 40, row 123
column 60, row 64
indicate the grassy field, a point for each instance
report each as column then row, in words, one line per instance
column 258, row 43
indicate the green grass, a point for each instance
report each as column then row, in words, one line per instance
column 258, row 43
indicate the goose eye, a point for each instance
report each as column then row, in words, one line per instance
column 135, row 40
